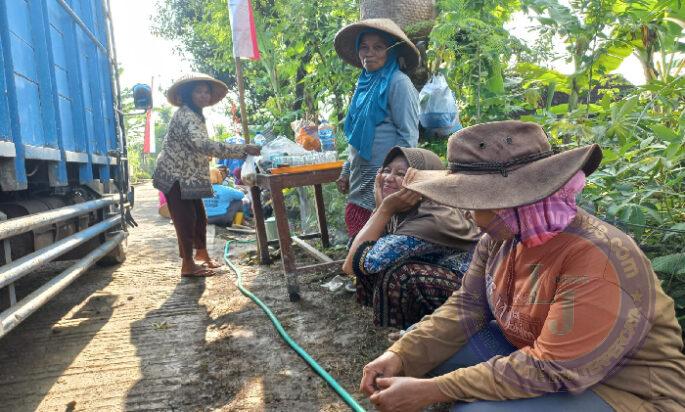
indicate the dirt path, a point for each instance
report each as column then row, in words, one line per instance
column 138, row 337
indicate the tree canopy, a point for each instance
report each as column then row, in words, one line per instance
column 496, row 76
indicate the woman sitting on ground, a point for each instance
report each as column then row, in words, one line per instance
column 558, row 310
column 411, row 254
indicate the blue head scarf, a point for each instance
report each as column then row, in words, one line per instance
column 369, row 105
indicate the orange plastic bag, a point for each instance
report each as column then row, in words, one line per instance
column 308, row 137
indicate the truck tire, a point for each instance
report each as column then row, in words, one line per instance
column 116, row 257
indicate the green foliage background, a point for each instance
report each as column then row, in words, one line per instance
column 497, row 76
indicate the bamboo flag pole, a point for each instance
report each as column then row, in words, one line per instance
column 244, row 33
column 241, row 98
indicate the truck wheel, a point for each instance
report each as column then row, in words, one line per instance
column 116, row 257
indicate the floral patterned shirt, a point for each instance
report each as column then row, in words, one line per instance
column 184, row 157
column 391, row 249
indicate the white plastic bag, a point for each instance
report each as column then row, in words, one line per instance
column 438, row 111
column 281, row 146
column 277, row 148
column 248, row 173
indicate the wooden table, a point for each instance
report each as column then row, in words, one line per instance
column 276, row 183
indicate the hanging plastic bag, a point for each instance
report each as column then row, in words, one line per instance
column 307, row 136
column 248, row 173
column 438, row 111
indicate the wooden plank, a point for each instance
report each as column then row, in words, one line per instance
column 311, row 250
column 299, row 179
column 334, row 266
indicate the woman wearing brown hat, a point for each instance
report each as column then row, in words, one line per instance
column 411, row 254
column 182, row 171
column 558, row 310
column 383, row 112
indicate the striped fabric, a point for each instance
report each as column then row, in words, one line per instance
column 355, row 218
column 362, row 181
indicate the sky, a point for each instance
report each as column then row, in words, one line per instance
column 522, row 26
column 142, row 55
column 146, row 58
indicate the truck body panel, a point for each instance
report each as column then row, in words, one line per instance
column 64, row 190
column 57, row 102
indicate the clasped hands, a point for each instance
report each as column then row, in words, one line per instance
column 389, row 392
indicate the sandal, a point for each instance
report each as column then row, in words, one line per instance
column 211, row 264
column 199, row 273
column 350, row 286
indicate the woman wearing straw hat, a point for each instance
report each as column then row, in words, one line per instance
column 182, row 171
column 558, row 310
column 383, row 112
column 411, row 254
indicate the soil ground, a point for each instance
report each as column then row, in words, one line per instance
column 139, row 337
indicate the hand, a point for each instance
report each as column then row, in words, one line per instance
column 387, row 365
column 253, row 149
column 343, row 184
column 400, row 201
column 405, row 394
column 378, row 188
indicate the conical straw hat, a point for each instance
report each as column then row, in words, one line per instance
column 346, row 38
column 218, row 88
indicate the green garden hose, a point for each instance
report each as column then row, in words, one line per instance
column 344, row 395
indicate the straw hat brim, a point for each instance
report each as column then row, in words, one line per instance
column 218, row 88
column 485, row 191
column 346, row 38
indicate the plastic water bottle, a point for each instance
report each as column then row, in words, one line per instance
column 326, row 136
column 259, row 139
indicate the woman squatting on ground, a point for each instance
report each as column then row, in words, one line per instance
column 558, row 310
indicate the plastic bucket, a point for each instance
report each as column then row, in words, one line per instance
column 271, row 229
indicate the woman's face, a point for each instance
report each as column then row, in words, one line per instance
column 201, row 95
column 373, row 51
column 490, row 223
column 392, row 176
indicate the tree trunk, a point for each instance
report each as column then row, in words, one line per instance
column 299, row 84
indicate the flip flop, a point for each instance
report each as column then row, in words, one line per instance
column 211, row 264
column 200, row 273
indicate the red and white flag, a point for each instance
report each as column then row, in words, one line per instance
column 149, row 136
column 243, row 29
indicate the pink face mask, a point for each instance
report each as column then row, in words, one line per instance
column 538, row 222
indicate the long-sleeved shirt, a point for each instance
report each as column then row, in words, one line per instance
column 184, row 157
column 399, row 128
column 585, row 311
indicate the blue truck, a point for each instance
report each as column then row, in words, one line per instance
column 64, row 188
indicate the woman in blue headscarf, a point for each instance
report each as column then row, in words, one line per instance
column 383, row 113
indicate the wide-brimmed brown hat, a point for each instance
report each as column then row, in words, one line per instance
column 346, row 38
column 218, row 88
column 500, row 165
